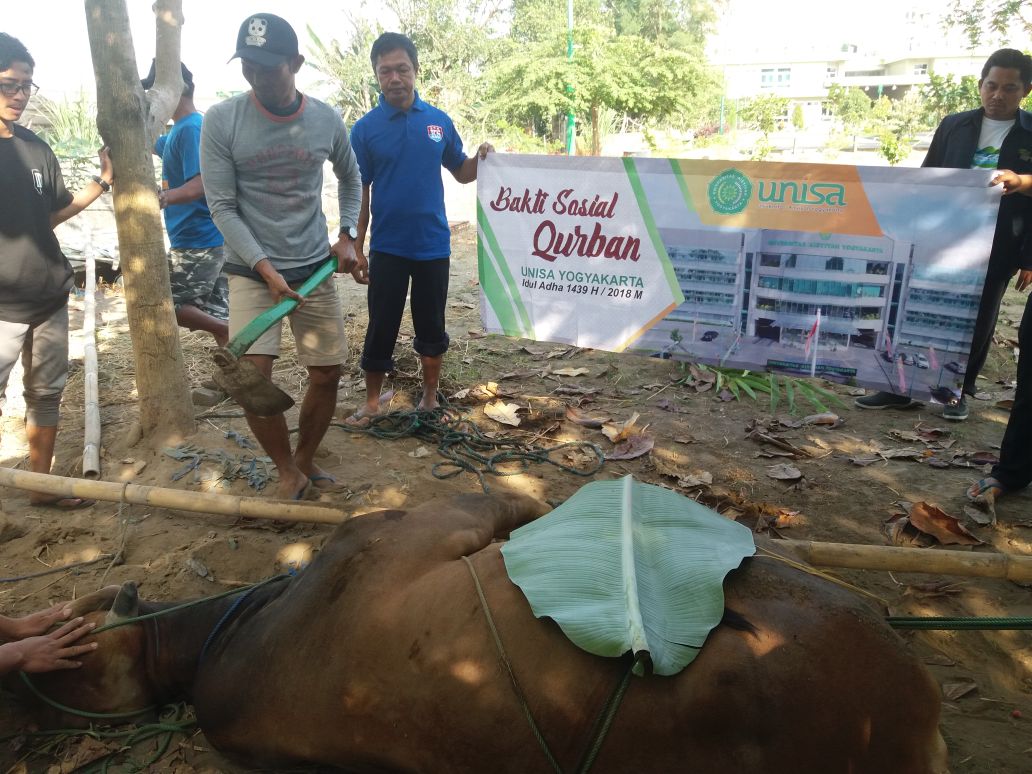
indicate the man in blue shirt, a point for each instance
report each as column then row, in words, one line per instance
column 199, row 291
column 401, row 145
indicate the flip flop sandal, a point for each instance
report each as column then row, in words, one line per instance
column 984, row 488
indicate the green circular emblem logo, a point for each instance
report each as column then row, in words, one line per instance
column 729, row 192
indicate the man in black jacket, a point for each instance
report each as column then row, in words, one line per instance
column 996, row 136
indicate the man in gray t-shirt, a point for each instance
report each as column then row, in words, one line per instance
column 262, row 157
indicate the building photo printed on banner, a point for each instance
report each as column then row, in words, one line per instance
column 867, row 275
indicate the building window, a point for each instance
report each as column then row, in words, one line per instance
column 827, row 111
column 831, row 72
column 921, row 69
column 775, row 77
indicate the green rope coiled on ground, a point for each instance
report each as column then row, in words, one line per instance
column 466, row 447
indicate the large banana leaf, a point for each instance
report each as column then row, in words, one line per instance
column 625, row 566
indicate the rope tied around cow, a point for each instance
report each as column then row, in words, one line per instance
column 466, row 447
column 602, row 723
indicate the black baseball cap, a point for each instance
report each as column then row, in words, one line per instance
column 148, row 82
column 265, row 39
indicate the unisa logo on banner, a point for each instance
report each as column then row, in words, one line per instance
column 729, row 192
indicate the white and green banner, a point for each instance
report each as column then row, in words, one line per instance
column 869, row 274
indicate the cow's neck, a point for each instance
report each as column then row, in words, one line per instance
column 177, row 641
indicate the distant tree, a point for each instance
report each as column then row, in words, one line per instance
column 851, row 106
column 347, row 68
column 943, row 95
column 680, row 23
column 899, row 122
column 765, row 113
column 631, row 75
column 1006, row 19
column 797, row 118
column 454, row 52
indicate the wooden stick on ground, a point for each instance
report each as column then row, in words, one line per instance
column 91, row 429
column 176, row 499
column 895, row 558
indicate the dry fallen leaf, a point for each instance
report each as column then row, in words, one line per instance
column 517, row 375
column 487, row 391
column 784, row 472
column 578, row 417
column 573, row 389
column 955, row 690
column 631, row 447
column 420, row 451
column 617, row 431
column 695, row 478
column 984, row 458
column 981, row 517
column 826, row 418
column 571, row 371
column 933, row 521
column 503, row 412
column 536, row 352
column 932, row 589
column 460, row 394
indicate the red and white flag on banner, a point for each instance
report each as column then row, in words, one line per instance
column 932, row 359
column 899, row 373
column 812, row 333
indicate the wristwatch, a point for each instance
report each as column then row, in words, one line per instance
column 350, row 231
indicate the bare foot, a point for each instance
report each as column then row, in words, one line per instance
column 362, row 417
column 294, row 486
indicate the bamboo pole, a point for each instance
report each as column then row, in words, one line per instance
column 91, row 427
column 898, row 559
column 176, row 499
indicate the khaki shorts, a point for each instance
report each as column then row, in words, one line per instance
column 318, row 325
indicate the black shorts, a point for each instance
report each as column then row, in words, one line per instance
column 388, row 286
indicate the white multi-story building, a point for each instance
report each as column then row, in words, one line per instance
column 895, row 55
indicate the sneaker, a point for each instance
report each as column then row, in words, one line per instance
column 884, row 400
column 955, row 409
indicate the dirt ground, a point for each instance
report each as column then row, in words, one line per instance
column 709, row 448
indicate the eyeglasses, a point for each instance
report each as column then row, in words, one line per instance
column 10, row 88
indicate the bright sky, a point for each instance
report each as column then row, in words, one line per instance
column 54, row 31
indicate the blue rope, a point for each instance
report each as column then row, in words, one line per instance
column 223, row 621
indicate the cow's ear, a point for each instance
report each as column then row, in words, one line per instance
column 101, row 599
column 126, row 605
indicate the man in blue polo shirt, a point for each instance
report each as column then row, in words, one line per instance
column 401, row 146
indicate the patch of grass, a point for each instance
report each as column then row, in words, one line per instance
column 753, row 384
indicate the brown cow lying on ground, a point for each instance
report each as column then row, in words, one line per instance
column 378, row 657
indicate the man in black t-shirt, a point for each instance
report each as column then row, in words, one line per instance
column 35, row 276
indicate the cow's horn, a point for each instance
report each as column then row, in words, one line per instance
column 126, row 604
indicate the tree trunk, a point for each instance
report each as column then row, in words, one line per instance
column 129, row 127
column 596, row 133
